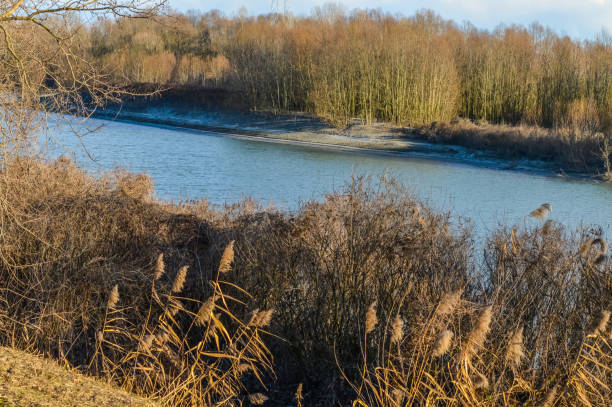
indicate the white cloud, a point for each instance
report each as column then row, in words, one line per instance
column 578, row 18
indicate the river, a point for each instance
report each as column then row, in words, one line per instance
column 189, row 164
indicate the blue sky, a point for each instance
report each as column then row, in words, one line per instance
column 577, row 18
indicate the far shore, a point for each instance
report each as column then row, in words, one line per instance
column 306, row 130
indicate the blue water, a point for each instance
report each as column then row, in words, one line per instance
column 186, row 164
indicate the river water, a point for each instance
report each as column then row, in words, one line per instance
column 186, row 164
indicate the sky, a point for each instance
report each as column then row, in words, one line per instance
column 580, row 19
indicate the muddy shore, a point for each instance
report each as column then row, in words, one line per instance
column 304, row 129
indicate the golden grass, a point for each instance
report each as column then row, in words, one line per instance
column 423, row 377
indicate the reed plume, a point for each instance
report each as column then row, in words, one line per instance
column 261, row 319
column 398, row 396
column 371, row 318
column 160, row 267
column 146, row 342
column 600, row 329
column 243, row 367
column 113, row 298
column 175, row 307
column 478, row 335
column 397, row 329
column 161, row 338
column 227, row 258
column 257, row 399
column 551, row 396
column 547, row 226
column 586, row 246
column 515, row 350
column 443, row 343
column 265, row 319
column 541, row 212
column 179, row 281
column 449, row 302
column 481, row 381
column 205, row 311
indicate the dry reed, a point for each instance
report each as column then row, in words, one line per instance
column 586, row 246
column 541, row 212
column 160, row 267
column 397, row 329
column 515, row 348
column 600, row 329
column 206, row 311
column 113, row 298
column 179, row 280
column 443, row 343
column 227, row 258
column 319, row 268
column 261, row 319
column 478, row 335
column 371, row 318
column 257, row 399
column 550, row 398
column 449, row 302
column 480, row 381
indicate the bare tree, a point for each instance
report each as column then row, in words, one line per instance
column 44, row 67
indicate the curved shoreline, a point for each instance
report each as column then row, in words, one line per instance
column 387, row 144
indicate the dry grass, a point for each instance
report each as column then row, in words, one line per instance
column 573, row 149
column 543, row 341
column 173, row 301
column 28, row 380
column 82, row 271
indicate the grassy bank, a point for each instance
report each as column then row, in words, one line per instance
column 368, row 296
column 28, row 380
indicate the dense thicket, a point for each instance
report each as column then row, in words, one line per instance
column 363, row 286
column 371, row 65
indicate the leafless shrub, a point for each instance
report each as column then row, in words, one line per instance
column 67, row 240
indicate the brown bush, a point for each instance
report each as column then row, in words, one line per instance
column 82, row 274
column 84, row 282
column 537, row 333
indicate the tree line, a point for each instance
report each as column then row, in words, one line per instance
column 370, row 65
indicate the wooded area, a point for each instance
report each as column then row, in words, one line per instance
column 367, row 64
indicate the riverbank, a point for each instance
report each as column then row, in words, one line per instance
column 29, row 380
column 498, row 147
